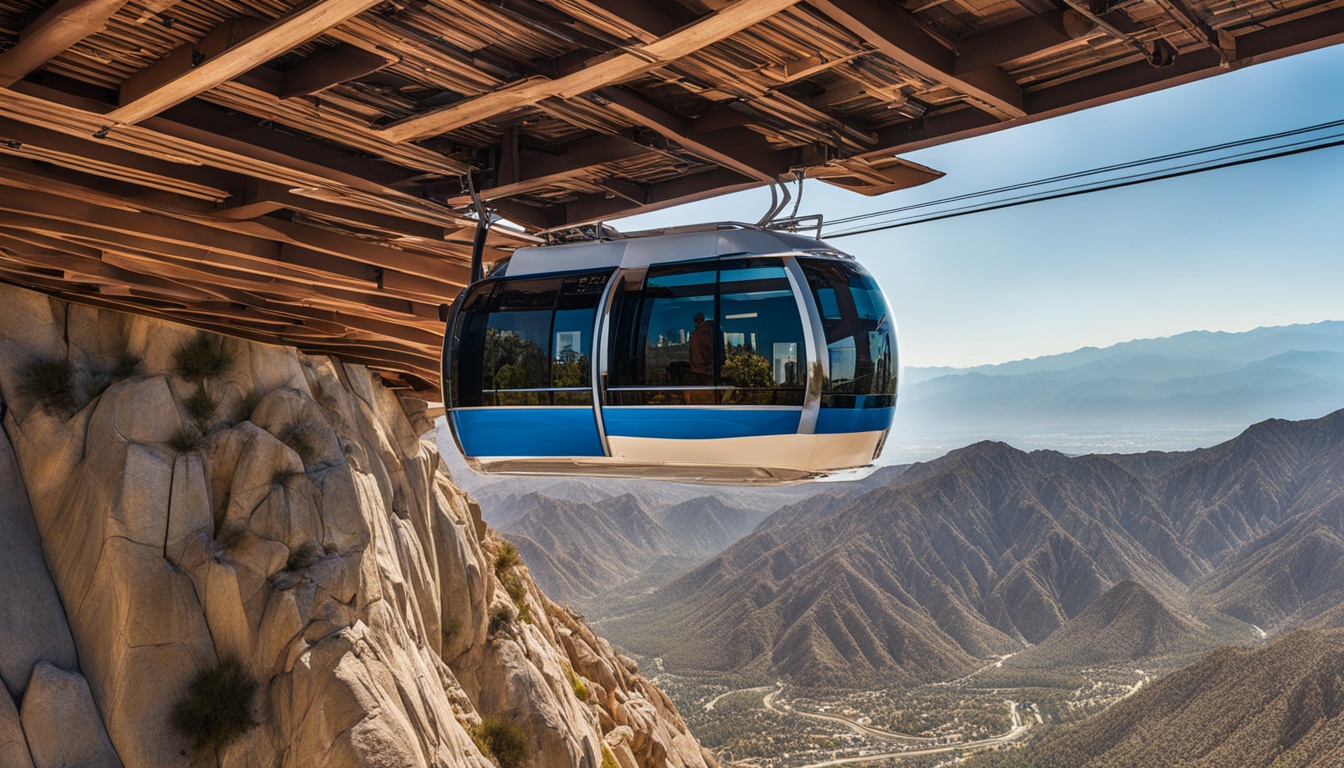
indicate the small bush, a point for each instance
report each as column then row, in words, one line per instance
column 514, row 586
column 501, row 740
column 506, row 557
column 299, row 436
column 246, row 406
column 203, row 357
column 50, row 381
column 576, row 682
column 185, row 439
column 304, row 556
column 201, row 406
column 217, row 707
column 499, row 619
column 125, row 367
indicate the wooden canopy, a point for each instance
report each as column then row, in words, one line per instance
column 294, row 172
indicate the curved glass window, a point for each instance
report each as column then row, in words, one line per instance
column 525, row 342
column 859, row 345
column 710, row 332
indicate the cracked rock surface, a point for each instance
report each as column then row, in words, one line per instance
column 284, row 513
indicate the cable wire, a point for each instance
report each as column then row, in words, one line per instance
column 1270, row 153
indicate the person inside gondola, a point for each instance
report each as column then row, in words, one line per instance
column 702, row 351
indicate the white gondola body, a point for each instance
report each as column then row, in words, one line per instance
column 721, row 353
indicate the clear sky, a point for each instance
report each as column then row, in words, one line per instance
column 1228, row 250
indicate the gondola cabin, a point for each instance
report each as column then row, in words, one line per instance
column 721, row 353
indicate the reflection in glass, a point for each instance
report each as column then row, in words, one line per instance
column 725, row 332
column 858, row 335
column 534, row 338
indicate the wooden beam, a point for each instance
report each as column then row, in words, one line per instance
column 903, row 39
column 598, row 207
column 650, row 21
column 1262, row 43
column 194, row 134
column 764, row 164
column 265, row 197
column 1000, row 45
column 59, row 27
column 88, row 155
column 595, row 74
column 539, row 170
column 1300, row 35
column 191, row 78
column 314, row 254
column 328, row 67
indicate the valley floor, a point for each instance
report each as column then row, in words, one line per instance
column 777, row 726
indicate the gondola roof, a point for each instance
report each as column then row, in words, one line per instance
column 293, row 172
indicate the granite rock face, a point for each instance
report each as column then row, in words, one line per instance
column 281, row 512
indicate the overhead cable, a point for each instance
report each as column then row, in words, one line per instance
column 1270, row 153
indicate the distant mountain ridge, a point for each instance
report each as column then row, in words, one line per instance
column 1181, row 391
column 1198, row 351
column 589, row 540
column 989, row 548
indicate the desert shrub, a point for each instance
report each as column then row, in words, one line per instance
column 506, row 557
column 499, row 619
column 125, row 367
column 299, row 435
column 203, row 357
column 576, row 682
column 246, row 405
column 501, row 740
column 185, row 439
column 217, row 706
column 307, row 554
column 50, row 381
column 201, row 406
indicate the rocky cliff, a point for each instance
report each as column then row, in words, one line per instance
column 221, row 553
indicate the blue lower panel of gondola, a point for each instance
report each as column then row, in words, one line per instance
column 527, row 431
column 690, row 423
column 837, row 421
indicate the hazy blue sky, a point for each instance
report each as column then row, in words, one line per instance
column 1227, row 250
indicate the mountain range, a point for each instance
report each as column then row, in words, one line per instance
column 1176, row 392
column 596, row 554
column 1277, row 706
column 990, row 549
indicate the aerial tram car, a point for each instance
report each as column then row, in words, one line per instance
column 722, row 353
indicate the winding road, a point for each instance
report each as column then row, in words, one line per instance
column 877, row 733
column 1019, row 727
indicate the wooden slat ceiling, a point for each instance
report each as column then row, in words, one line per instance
column 294, row 172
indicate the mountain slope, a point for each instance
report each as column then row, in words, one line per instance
column 1126, row 624
column 990, row 548
column 706, row 525
column 576, row 550
column 1273, row 707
